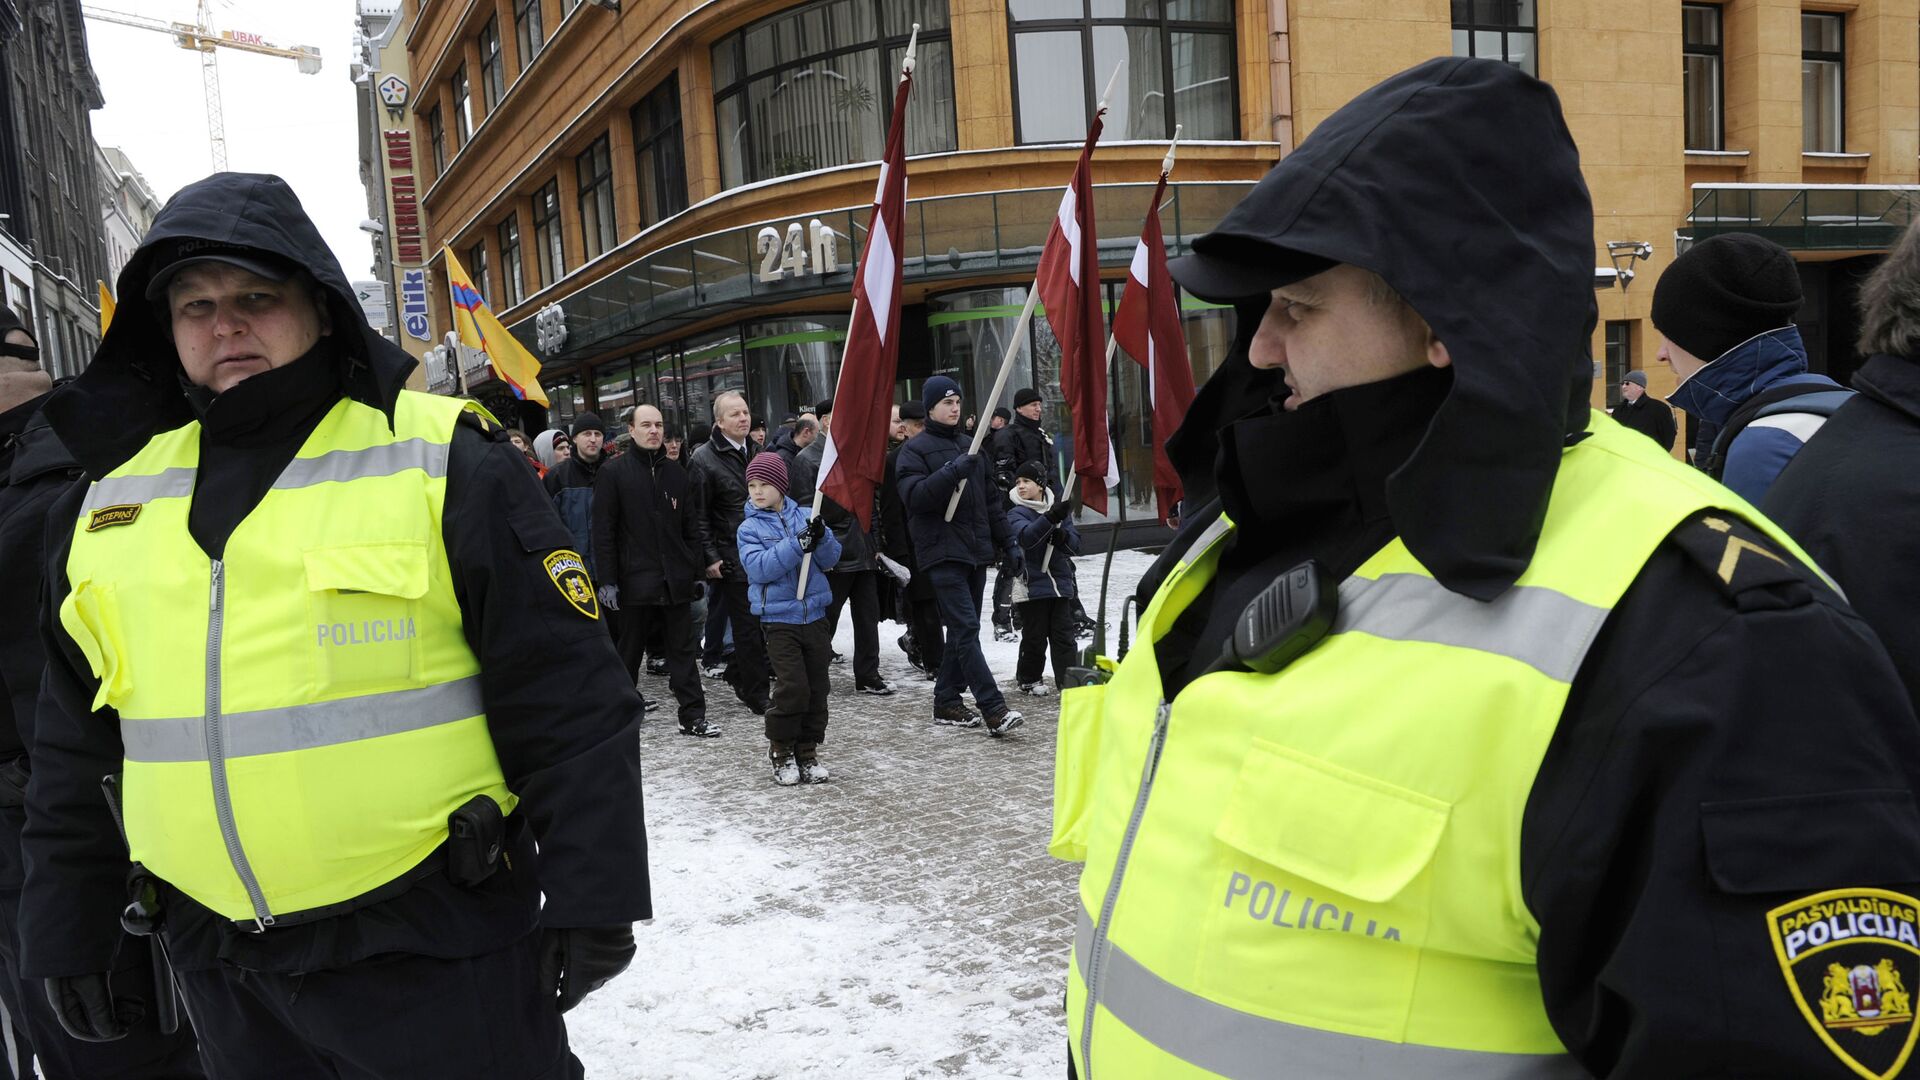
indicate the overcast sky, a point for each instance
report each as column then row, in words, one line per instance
column 277, row 120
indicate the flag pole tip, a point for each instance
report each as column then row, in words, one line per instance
column 1111, row 83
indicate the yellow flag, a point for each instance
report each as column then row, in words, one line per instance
column 478, row 329
column 106, row 307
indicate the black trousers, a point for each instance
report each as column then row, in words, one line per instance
column 799, row 653
column 860, row 587
column 715, row 635
column 672, row 624
column 923, row 618
column 1045, row 626
column 747, row 672
column 1002, row 598
column 414, row 1016
column 31, row 1031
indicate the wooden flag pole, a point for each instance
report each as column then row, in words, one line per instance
column 806, row 560
column 1019, row 332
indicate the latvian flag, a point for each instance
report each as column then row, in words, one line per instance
column 854, row 462
column 1147, row 326
column 1069, row 286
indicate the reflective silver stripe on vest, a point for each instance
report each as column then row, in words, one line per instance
column 385, row 459
column 121, row 490
column 302, row 727
column 1238, row 1044
column 1546, row 630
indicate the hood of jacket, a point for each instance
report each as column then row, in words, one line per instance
column 136, row 377
column 1717, row 390
column 1892, row 380
column 543, row 451
column 1458, row 183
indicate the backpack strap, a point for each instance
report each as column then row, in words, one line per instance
column 1812, row 399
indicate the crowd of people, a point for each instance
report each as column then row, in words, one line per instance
column 692, row 553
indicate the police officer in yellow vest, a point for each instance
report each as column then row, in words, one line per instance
column 1470, row 735
column 348, row 666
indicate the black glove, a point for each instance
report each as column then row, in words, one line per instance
column 1011, row 564
column 699, row 590
column 1057, row 513
column 576, row 961
column 811, row 536
column 87, row 1009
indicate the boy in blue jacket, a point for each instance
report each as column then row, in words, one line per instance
column 775, row 536
column 1041, row 520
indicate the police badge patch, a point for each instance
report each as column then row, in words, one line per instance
column 1851, row 958
column 569, row 573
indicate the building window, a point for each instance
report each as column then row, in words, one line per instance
column 493, row 74
column 547, row 241
column 462, row 105
column 437, row 139
column 1619, row 358
column 1496, row 30
column 513, row 282
column 811, row 87
column 593, row 179
column 659, row 153
column 477, row 266
column 526, row 30
column 1823, row 69
column 1705, row 88
column 1179, row 69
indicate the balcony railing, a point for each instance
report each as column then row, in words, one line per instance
column 1806, row 217
column 954, row 236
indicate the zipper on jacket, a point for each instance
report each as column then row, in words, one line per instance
column 1101, row 927
column 217, row 752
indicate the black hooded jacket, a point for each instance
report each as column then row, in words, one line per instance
column 1730, row 716
column 34, row 469
column 575, row 768
column 1852, row 499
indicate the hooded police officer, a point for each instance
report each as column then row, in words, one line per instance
column 320, row 624
column 1470, row 734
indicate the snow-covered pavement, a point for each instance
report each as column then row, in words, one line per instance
column 903, row 920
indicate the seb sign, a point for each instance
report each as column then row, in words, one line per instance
column 406, row 199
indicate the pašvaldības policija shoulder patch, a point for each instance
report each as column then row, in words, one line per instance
column 1851, row 958
column 568, row 571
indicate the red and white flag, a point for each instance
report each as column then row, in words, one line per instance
column 1147, row 325
column 855, row 459
column 1069, row 286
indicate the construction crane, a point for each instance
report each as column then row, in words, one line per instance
column 205, row 40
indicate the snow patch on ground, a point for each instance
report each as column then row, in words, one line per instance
column 900, row 921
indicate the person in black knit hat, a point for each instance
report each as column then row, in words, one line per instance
column 1725, row 309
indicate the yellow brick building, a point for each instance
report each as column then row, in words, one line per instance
column 682, row 184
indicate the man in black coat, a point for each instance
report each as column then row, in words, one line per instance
column 1643, row 412
column 644, row 530
column 236, row 326
column 917, row 609
column 1733, row 741
column 719, row 471
column 35, row 468
column 954, row 553
column 1851, row 496
column 853, row 574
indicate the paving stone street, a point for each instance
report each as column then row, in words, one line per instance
column 903, row 920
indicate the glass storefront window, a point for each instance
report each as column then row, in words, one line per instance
column 1179, row 68
column 708, row 365
column 613, row 395
column 805, row 89
column 793, row 363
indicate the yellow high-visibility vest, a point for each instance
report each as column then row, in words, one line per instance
column 300, row 716
column 1317, row 872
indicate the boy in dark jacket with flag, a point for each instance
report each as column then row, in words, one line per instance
column 774, row 539
column 1043, row 524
